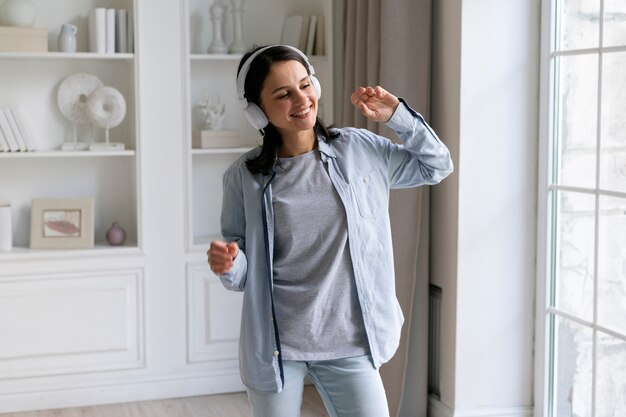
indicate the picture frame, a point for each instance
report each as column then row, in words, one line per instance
column 62, row 223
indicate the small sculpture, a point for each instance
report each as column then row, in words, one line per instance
column 107, row 109
column 72, row 101
column 217, row 16
column 213, row 111
column 238, row 46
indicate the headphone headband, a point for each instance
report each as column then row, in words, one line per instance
column 243, row 72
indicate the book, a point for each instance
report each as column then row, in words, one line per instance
column 292, row 28
column 120, row 31
column 8, row 132
column 110, row 31
column 97, row 30
column 304, row 31
column 21, row 145
column 310, row 38
column 4, row 145
column 130, row 32
column 320, row 48
column 27, row 134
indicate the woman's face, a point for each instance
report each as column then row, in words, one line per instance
column 288, row 98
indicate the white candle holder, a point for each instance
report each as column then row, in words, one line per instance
column 238, row 46
column 217, row 16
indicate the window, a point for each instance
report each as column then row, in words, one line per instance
column 581, row 366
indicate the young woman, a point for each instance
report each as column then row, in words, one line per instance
column 307, row 238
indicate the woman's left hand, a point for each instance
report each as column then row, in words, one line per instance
column 375, row 103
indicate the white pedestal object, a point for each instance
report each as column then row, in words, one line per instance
column 6, row 232
column 217, row 15
column 238, row 46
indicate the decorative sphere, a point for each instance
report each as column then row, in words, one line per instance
column 19, row 13
column 116, row 235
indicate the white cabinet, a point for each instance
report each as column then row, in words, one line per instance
column 145, row 320
column 216, row 74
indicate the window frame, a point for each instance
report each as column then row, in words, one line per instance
column 546, row 315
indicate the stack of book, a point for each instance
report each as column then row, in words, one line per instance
column 15, row 135
column 305, row 33
column 111, row 31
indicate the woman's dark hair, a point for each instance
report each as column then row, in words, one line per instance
column 257, row 72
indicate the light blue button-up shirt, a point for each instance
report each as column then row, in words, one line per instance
column 363, row 167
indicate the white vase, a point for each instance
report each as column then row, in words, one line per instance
column 19, row 13
column 67, row 38
column 6, row 231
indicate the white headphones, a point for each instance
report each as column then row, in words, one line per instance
column 255, row 116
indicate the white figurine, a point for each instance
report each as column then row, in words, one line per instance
column 213, row 111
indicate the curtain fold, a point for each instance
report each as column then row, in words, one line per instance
column 388, row 43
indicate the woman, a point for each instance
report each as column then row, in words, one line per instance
column 308, row 241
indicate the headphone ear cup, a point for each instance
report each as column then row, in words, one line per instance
column 316, row 86
column 255, row 116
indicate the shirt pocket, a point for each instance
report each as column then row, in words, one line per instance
column 367, row 190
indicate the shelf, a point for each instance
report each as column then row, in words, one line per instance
column 21, row 253
column 221, row 151
column 215, row 57
column 65, row 56
column 65, row 154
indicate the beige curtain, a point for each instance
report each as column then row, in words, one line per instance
column 387, row 43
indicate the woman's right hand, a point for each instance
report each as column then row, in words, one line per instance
column 221, row 256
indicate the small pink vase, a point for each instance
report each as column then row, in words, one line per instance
column 116, row 235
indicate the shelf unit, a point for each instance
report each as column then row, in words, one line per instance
column 30, row 81
column 216, row 74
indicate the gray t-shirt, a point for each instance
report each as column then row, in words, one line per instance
column 317, row 309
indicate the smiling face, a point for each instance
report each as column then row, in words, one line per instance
column 289, row 100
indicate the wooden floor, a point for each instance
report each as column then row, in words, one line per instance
column 226, row 405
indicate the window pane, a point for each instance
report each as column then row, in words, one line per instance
column 579, row 24
column 611, row 377
column 614, row 23
column 575, row 254
column 577, row 128
column 612, row 264
column 573, row 369
column 613, row 157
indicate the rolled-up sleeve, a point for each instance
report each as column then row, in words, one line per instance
column 233, row 225
column 422, row 158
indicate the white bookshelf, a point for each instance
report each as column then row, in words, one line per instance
column 204, row 72
column 30, row 81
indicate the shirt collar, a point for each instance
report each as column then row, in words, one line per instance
column 325, row 148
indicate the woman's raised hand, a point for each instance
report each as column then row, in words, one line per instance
column 221, row 256
column 375, row 103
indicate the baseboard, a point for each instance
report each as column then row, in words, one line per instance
column 436, row 408
column 151, row 388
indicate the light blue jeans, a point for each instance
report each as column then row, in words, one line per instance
column 349, row 387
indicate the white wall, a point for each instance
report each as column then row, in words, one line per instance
column 485, row 99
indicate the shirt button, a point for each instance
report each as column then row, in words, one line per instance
column 366, row 179
column 276, row 353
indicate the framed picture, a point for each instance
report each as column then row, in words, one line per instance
column 61, row 223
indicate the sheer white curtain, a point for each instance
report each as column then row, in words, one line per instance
column 387, row 43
